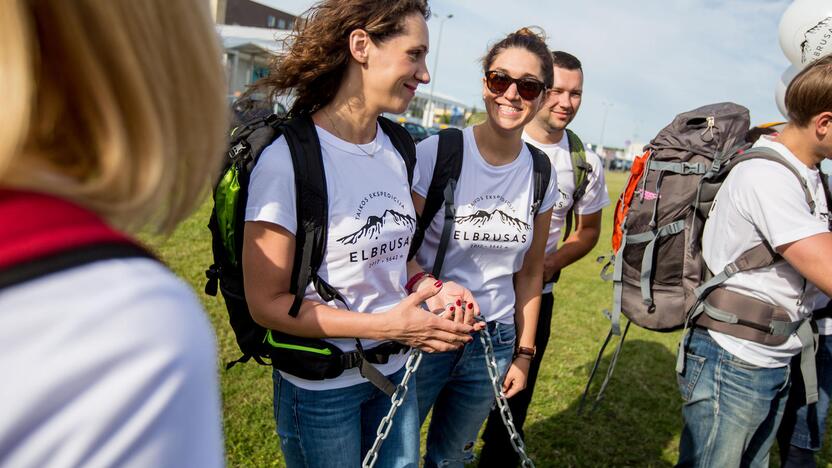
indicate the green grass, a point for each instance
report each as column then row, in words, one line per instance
column 637, row 424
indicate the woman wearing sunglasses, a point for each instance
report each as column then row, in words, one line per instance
column 496, row 247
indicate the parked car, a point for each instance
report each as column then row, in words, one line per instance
column 416, row 131
column 620, row 165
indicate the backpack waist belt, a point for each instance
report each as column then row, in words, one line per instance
column 745, row 317
column 754, row 320
column 377, row 355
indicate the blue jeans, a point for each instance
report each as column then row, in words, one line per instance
column 731, row 408
column 804, row 425
column 338, row 427
column 457, row 386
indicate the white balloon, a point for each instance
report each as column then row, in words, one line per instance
column 780, row 90
column 806, row 31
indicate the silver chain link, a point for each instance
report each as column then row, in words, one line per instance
column 502, row 402
column 396, row 400
column 399, row 395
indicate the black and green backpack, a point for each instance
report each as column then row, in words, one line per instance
column 307, row 358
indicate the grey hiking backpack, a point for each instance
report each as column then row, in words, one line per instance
column 660, row 280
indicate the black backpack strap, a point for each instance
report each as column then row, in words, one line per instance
column 443, row 182
column 542, row 176
column 70, row 258
column 403, row 143
column 312, row 211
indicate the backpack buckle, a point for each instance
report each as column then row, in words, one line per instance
column 236, row 151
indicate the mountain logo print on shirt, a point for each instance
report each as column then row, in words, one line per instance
column 564, row 199
column 481, row 217
column 375, row 224
column 492, row 222
column 815, row 41
column 376, row 239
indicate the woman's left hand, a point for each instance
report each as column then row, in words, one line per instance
column 516, row 376
column 456, row 303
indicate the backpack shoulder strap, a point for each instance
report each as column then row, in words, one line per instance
column 312, row 210
column 403, row 143
column 580, row 174
column 761, row 152
column 447, row 168
column 542, row 175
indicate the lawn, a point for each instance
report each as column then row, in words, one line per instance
column 637, row 424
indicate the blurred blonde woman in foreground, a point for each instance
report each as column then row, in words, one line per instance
column 106, row 358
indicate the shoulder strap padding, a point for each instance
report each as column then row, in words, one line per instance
column 448, row 166
column 580, row 175
column 542, row 175
column 761, row 152
column 403, row 143
column 311, row 205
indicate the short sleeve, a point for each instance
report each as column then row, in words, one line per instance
column 552, row 194
column 596, row 196
column 781, row 216
column 271, row 190
column 425, row 162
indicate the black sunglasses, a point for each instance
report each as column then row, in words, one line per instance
column 528, row 88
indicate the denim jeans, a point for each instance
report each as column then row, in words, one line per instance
column 731, row 408
column 804, row 425
column 337, row 427
column 457, row 386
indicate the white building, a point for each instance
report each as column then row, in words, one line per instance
column 443, row 110
column 248, row 52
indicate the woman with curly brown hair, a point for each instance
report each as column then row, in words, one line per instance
column 497, row 246
column 345, row 65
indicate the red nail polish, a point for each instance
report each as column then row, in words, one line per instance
column 437, row 284
column 470, row 306
column 453, row 308
column 458, row 302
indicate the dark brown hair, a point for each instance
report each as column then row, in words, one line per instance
column 524, row 38
column 317, row 52
column 566, row 60
column 810, row 92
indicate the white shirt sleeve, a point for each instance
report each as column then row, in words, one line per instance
column 596, row 196
column 425, row 162
column 552, row 195
column 271, row 190
column 781, row 217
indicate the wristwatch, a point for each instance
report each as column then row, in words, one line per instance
column 522, row 350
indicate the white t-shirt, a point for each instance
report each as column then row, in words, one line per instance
column 371, row 223
column 107, row 364
column 594, row 200
column 763, row 200
column 493, row 227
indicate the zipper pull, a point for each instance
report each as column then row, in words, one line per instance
column 710, row 128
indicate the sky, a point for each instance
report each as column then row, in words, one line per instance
column 644, row 61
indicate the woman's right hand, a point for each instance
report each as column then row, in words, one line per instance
column 412, row 325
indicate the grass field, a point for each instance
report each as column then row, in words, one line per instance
column 638, row 423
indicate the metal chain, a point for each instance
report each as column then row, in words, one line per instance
column 502, row 403
column 401, row 392
column 396, row 400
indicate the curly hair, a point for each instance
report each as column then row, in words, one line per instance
column 317, row 53
column 525, row 38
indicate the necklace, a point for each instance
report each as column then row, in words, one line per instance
column 338, row 132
